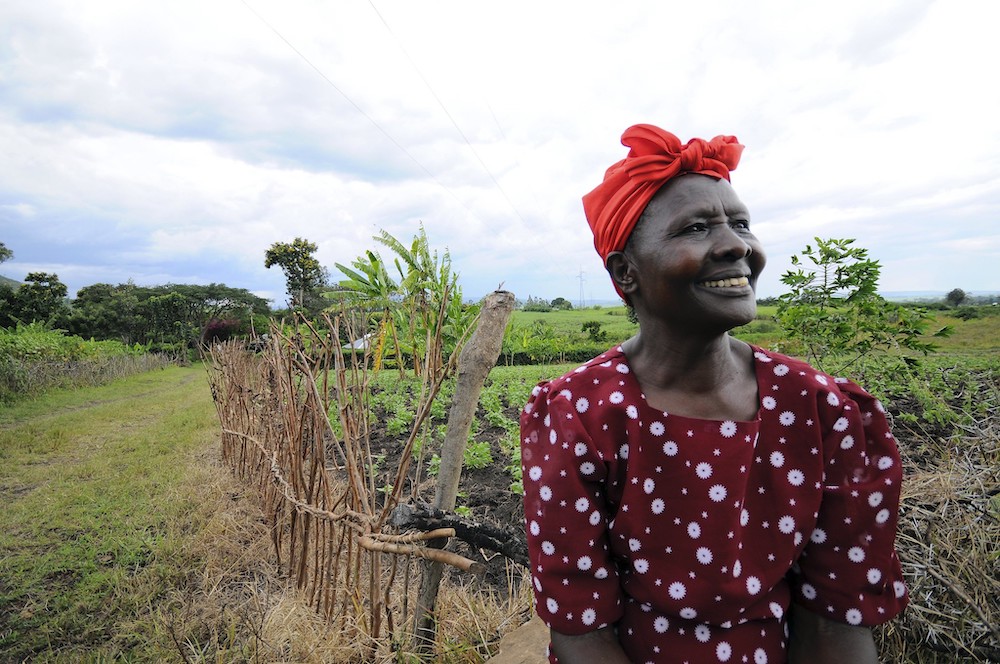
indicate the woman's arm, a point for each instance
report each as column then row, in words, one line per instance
column 597, row 647
column 817, row 640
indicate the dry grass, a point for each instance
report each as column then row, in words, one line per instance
column 949, row 546
column 236, row 605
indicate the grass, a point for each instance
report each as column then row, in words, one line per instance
column 123, row 538
column 975, row 335
column 96, row 510
column 614, row 321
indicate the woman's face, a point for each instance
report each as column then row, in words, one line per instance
column 692, row 259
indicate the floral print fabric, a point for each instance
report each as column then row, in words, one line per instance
column 692, row 536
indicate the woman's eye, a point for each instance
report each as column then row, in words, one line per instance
column 696, row 228
column 742, row 224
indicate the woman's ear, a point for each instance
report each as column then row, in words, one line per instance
column 622, row 271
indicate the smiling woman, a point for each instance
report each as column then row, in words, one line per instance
column 689, row 496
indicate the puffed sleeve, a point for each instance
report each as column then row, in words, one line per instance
column 849, row 571
column 566, row 516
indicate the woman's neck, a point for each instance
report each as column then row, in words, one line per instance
column 710, row 378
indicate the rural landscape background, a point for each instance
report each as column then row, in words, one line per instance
column 171, row 470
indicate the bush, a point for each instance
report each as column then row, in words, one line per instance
column 967, row 313
column 34, row 359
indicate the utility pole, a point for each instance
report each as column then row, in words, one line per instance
column 582, row 302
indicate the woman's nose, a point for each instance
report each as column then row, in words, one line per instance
column 730, row 245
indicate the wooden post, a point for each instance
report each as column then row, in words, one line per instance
column 474, row 363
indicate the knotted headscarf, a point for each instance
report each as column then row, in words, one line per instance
column 655, row 156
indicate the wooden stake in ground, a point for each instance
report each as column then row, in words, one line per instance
column 477, row 358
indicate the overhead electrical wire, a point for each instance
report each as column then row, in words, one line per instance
column 445, row 110
column 359, row 109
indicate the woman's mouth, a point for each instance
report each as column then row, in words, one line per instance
column 733, row 282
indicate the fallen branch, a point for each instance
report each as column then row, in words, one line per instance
column 421, row 516
column 437, row 555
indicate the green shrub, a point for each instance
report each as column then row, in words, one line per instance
column 34, row 358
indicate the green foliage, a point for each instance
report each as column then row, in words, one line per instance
column 557, row 336
column 404, row 309
column 955, row 297
column 170, row 318
column 560, row 303
column 304, row 275
column 36, row 342
column 967, row 313
column 594, row 331
column 34, row 359
column 477, row 454
column 42, row 298
column 5, row 253
column 835, row 314
column 536, row 304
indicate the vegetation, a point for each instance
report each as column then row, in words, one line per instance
column 955, row 297
column 34, row 359
column 304, row 276
column 40, row 298
column 122, row 539
column 400, row 315
column 97, row 516
column 833, row 310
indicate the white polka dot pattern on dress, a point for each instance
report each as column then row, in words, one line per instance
column 708, row 523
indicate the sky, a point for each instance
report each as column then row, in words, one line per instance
column 174, row 142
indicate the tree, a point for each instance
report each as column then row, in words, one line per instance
column 561, row 303
column 171, row 317
column 184, row 313
column 536, row 304
column 40, row 299
column 834, row 311
column 103, row 311
column 8, row 306
column 5, row 253
column 955, row 297
column 303, row 273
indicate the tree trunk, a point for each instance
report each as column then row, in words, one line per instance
column 477, row 358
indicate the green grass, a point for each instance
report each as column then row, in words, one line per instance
column 970, row 336
column 614, row 321
column 95, row 512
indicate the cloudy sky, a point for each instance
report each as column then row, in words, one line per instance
column 174, row 142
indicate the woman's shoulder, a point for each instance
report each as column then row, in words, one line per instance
column 781, row 365
column 810, row 379
column 610, row 362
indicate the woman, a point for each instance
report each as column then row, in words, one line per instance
column 689, row 497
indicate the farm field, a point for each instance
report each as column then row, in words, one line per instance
column 125, row 538
column 976, row 335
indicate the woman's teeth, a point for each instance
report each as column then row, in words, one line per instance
column 727, row 283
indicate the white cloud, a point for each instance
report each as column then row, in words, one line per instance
column 179, row 140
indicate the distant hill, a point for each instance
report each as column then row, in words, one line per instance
column 4, row 281
column 928, row 295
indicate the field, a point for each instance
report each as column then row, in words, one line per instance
column 976, row 336
column 125, row 538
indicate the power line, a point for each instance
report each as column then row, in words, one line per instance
column 445, row 109
column 358, row 108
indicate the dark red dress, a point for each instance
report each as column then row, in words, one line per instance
column 692, row 536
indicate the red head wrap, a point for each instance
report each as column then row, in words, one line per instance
column 655, row 156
